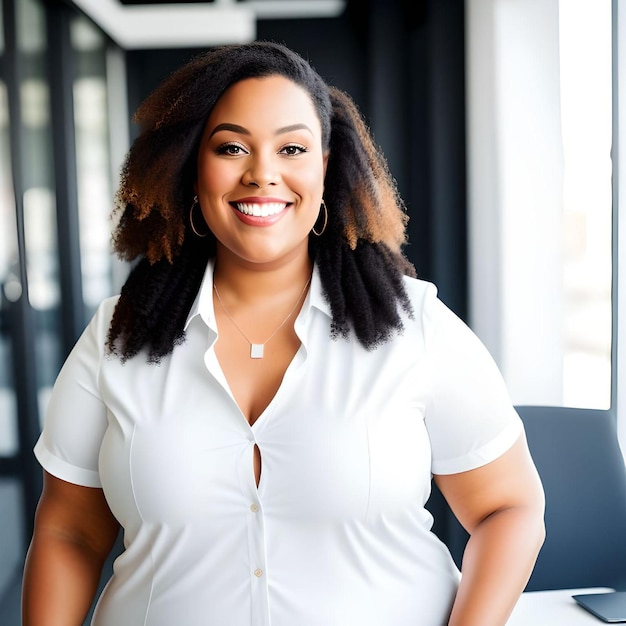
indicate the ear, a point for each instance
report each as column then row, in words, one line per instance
column 325, row 161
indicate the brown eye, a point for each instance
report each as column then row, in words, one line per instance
column 231, row 149
column 293, row 149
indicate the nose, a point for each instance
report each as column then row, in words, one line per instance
column 261, row 172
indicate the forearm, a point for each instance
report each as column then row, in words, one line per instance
column 60, row 581
column 497, row 564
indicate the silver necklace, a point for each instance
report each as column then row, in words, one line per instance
column 257, row 349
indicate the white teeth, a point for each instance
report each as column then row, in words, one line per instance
column 261, row 210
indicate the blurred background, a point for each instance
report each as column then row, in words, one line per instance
column 497, row 117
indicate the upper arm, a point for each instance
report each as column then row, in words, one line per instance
column 76, row 514
column 76, row 417
column 509, row 481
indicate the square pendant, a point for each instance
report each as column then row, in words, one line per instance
column 256, row 350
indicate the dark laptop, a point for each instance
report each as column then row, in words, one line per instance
column 609, row 607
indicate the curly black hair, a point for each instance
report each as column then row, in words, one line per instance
column 359, row 254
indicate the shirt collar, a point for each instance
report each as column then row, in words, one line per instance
column 203, row 304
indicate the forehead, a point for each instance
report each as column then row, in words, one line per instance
column 270, row 100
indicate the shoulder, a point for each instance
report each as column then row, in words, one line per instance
column 421, row 292
column 428, row 311
column 107, row 306
column 444, row 332
column 100, row 321
column 93, row 339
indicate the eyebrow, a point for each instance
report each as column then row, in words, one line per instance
column 235, row 128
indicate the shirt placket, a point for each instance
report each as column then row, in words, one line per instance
column 257, row 559
column 252, row 509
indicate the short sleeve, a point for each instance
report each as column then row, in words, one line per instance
column 76, row 418
column 470, row 417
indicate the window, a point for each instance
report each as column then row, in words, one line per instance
column 540, row 217
column 95, row 199
column 9, row 277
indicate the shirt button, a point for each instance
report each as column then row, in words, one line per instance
column 254, row 508
column 258, row 572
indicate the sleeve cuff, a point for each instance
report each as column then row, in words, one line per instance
column 63, row 470
column 483, row 455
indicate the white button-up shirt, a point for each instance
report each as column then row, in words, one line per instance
column 336, row 532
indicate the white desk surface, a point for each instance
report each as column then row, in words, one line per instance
column 554, row 608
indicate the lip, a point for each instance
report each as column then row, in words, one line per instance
column 260, row 200
column 254, row 207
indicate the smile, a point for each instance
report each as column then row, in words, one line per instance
column 260, row 210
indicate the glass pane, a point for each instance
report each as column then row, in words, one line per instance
column 39, row 198
column 95, row 199
column 539, row 174
column 586, row 122
column 11, row 286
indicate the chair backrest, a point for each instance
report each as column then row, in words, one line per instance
column 582, row 469
column 578, row 457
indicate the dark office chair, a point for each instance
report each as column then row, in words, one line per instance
column 582, row 468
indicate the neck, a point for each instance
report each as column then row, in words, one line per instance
column 248, row 284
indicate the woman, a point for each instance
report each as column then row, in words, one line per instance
column 263, row 407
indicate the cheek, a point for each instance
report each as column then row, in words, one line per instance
column 311, row 180
column 214, row 177
column 213, row 183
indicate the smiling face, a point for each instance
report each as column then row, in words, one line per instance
column 261, row 171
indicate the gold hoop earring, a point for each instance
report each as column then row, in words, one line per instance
column 193, row 206
column 321, row 232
